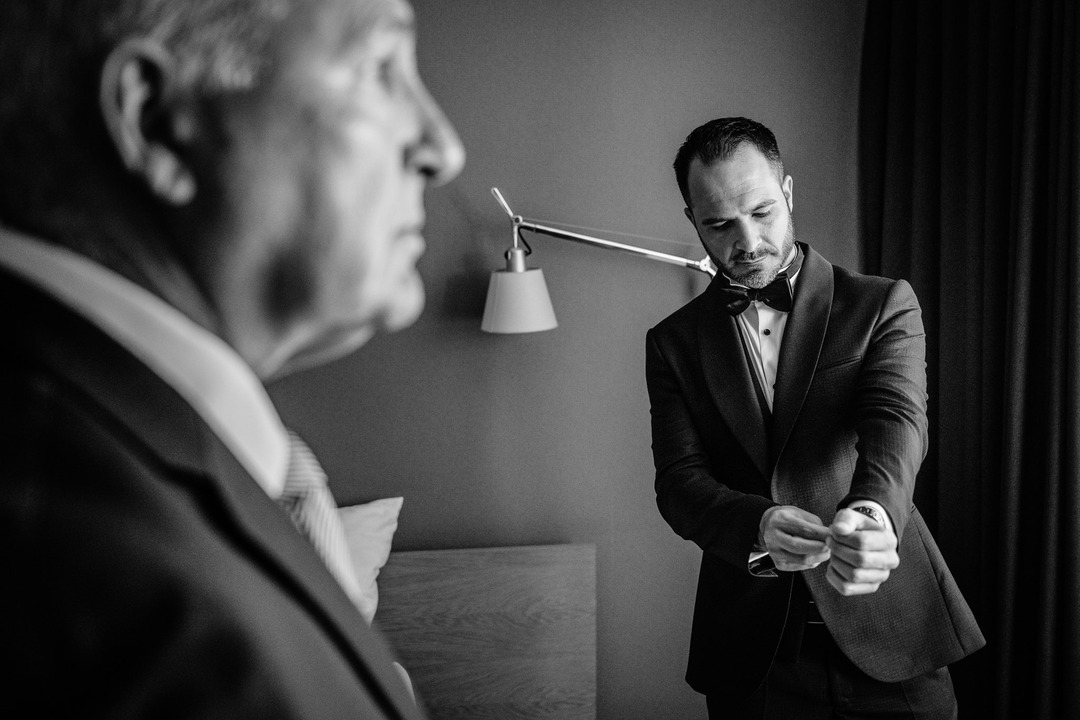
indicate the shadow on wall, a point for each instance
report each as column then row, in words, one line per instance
column 465, row 285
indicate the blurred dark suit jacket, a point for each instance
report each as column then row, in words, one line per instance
column 147, row 573
column 848, row 421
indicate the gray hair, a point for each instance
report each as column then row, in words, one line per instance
column 51, row 56
column 219, row 44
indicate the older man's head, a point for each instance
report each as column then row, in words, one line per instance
column 260, row 164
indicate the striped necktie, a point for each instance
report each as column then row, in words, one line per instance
column 307, row 500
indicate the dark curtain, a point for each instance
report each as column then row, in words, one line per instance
column 969, row 155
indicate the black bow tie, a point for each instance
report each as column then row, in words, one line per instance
column 776, row 294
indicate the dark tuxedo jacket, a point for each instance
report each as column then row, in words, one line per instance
column 848, row 421
column 147, row 575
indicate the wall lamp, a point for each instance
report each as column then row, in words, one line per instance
column 517, row 298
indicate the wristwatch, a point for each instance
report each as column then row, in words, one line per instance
column 872, row 514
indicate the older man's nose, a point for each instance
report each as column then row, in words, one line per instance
column 439, row 153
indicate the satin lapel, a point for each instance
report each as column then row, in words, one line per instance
column 803, row 338
column 730, row 383
column 158, row 417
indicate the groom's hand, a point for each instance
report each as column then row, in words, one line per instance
column 795, row 539
column 863, row 553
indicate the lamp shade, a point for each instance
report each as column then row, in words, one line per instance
column 518, row 302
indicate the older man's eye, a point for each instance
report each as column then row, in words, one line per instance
column 387, row 73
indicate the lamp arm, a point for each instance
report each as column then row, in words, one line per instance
column 515, row 256
column 704, row 265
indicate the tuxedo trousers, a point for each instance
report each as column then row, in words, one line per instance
column 812, row 679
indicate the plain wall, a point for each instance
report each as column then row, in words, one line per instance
column 575, row 108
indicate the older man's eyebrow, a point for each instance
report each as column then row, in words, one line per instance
column 355, row 26
column 404, row 24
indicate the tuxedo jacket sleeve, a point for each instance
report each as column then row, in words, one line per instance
column 147, row 575
column 848, row 421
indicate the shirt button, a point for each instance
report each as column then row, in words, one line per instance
column 768, row 332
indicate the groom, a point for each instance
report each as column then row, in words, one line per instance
column 788, row 410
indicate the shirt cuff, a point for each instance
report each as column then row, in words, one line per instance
column 761, row 564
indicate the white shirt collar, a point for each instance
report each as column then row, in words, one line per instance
column 200, row 366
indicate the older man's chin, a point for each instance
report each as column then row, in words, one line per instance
column 344, row 340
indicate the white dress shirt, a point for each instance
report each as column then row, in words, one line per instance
column 762, row 330
column 201, row 367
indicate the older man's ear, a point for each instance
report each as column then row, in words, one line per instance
column 147, row 119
